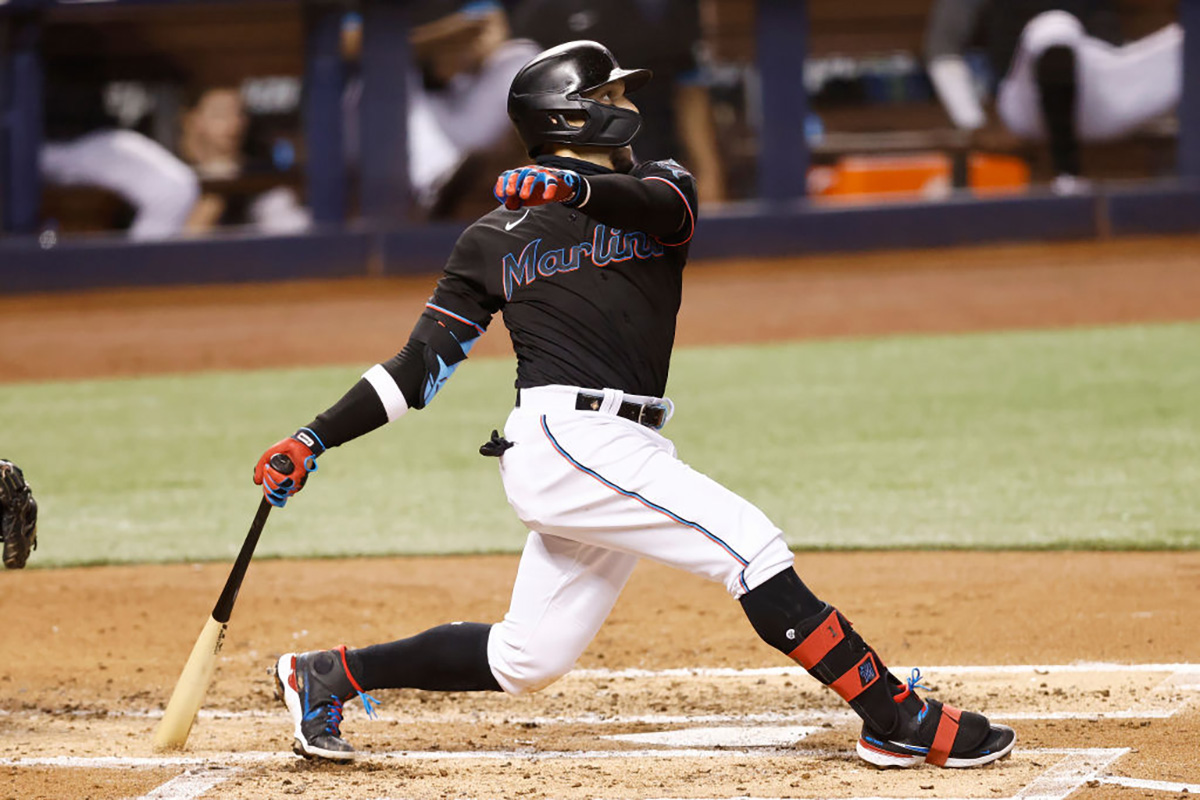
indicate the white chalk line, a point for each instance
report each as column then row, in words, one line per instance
column 1076, row 768
column 190, row 785
column 1161, row 786
column 970, row 669
column 1072, row 772
column 586, row 719
column 1184, row 671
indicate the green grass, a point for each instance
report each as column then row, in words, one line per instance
column 1081, row 438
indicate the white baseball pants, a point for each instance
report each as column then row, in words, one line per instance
column 598, row 492
column 1119, row 88
column 160, row 187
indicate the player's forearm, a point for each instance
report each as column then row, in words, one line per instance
column 633, row 204
column 384, row 393
column 440, row 341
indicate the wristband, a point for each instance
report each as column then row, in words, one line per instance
column 309, row 438
column 583, row 191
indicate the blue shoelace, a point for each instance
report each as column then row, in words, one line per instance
column 369, row 704
column 914, row 682
column 333, row 721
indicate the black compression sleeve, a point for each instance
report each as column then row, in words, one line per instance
column 360, row 410
column 632, row 204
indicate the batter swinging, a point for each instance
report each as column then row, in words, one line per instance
column 585, row 258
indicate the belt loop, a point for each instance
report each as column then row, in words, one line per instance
column 612, row 401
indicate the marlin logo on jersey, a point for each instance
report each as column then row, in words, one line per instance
column 608, row 246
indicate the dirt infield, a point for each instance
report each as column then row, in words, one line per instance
column 1092, row 657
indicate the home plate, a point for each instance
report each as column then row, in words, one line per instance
column 726, row 736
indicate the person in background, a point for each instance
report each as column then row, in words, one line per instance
column 1063, row 74
column 664, row 36
column 85, row 146
column 466, row 57
column 212, row 140
column 459, row 135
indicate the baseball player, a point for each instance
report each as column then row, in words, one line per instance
column 1064, row 75
column 585, row 257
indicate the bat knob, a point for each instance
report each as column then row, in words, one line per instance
column 280, row 462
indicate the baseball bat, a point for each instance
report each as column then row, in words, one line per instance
column 176, row 724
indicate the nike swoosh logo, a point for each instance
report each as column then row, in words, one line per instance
column 508, row 226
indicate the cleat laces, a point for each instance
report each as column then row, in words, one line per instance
column 333, row 720
column 369, row 704
column 913, row 681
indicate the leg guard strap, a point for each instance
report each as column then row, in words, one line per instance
column 943, row 740
column 837, row 656
column 783, row 611
column 825, row 636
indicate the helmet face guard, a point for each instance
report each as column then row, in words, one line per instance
column 546, row 98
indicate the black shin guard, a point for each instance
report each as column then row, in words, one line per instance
column 791, row 619
column 448, row 658
column 1058, row 87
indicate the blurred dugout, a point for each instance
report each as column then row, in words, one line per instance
column 875, row 116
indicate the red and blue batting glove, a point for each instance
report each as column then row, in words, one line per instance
column 302, row 447
column 535, row 186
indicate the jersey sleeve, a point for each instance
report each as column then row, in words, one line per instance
column 453, row 319
column 683, row 183
column 658, row 197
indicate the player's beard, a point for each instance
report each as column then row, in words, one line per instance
column 622, row 159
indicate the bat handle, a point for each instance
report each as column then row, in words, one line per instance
column 280, row 462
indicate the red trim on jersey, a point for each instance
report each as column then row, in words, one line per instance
column 451, row 314
column 686, row 204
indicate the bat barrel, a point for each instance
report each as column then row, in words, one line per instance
column 176, row 724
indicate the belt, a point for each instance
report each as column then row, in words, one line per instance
column 653, row 414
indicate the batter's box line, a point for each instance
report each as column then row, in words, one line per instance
column 1072, row 772
column 1076, row 768
column 1176, row 669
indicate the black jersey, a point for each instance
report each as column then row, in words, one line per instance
column 586, row 304
column 589, row 292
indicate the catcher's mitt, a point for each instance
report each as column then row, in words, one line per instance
column 18, row 515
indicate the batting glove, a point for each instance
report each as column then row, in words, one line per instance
column 302, row 447
column 535, row 186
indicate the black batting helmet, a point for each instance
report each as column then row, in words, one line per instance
column 547, row 92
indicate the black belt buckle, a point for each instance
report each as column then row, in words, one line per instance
column 651, row 415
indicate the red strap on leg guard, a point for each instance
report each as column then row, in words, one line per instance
column 856, row 679
column 943, row 740
column 818, row 643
